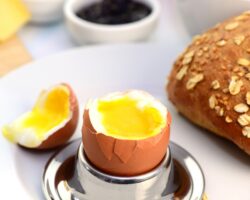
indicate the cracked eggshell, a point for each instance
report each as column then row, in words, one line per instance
column 124, row 157
column 62, row 135
column 22, row 131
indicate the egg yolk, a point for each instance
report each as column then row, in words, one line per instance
column 50, row 110
column 54, row 110
column 123, row 118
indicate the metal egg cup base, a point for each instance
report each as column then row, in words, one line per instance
column 68, row 176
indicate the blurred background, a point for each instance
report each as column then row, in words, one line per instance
column 33, row 29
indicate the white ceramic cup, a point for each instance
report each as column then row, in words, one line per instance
column 45, row 11
column 200, row 15
column 83, row 31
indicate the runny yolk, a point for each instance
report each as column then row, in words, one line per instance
column 123, row 118
column 48, row 113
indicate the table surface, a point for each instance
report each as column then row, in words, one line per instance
column 47, row 40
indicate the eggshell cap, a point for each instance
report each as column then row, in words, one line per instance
column 62, row 135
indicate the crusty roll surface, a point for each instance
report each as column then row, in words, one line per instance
column 210, row 82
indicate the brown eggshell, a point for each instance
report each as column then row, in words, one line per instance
column 62, row 135
column 124, row 157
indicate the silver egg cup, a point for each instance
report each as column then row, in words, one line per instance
column 68, row 175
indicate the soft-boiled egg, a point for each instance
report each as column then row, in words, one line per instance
column 126, row 133
column 50, row 123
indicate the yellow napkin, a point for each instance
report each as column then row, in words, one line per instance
column 13, row 15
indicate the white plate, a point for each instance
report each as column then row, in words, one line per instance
column 93, row 72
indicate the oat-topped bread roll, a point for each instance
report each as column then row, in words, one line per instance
column 210, row 81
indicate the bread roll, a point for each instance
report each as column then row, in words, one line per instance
column 210, row 82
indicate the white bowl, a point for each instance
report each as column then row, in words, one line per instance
column 84, row 31
column 200, row 15
column 45, row 11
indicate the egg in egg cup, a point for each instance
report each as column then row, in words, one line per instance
column 125, row 139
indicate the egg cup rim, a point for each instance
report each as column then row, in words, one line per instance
column 165, row 162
